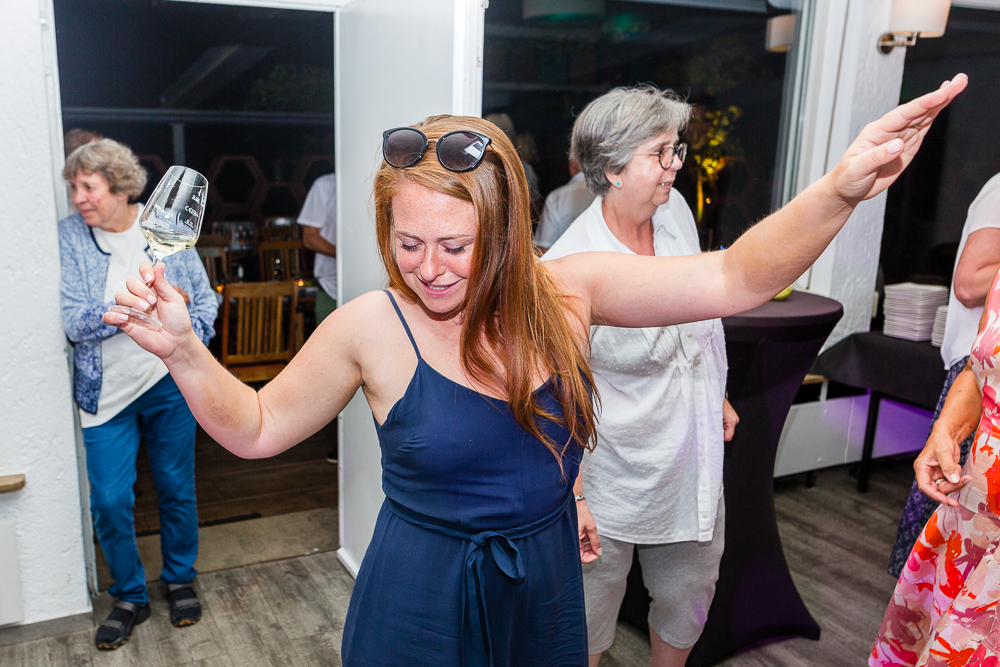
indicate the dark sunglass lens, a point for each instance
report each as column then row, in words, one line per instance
column 403, row 148
column 460, row 151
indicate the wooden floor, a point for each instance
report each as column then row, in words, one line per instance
column 287, row 613
column 230, row 488
column 837, row 543
column 290, row 613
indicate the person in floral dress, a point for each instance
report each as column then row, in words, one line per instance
column 943, row 612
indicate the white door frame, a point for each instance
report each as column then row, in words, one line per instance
column 389, row 87
column 465, row 99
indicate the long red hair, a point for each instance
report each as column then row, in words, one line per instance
column 517, row 322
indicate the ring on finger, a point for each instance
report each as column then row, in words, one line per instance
column 937, row 482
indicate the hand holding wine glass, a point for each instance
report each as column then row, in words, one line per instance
column 170, row 307
column 171, row 222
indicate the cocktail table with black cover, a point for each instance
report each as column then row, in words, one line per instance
column 770, row 350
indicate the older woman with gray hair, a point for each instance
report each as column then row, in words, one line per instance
column 654, row 481
column 125, row 393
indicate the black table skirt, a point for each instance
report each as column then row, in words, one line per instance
column 770, row 350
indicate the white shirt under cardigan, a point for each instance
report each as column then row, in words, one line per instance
column 127, row 370
column 655, row 476
column 962, row 324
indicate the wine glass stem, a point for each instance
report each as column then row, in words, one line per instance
column 157, row 259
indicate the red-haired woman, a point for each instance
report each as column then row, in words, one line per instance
column 474, row 365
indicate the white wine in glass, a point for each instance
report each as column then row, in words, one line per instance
column 171, row 222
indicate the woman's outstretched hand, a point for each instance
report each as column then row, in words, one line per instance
column 160, row 300
column 886, row 146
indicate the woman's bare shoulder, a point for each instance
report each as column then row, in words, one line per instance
column 580, row 273
column 368, row 303
column 353, row 323
column 367, row 325
column 565, row 272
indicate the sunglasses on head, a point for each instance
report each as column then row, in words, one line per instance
column 457, row 151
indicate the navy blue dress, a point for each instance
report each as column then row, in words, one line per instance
column 475, row 558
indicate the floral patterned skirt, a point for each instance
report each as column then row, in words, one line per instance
column 943, row 612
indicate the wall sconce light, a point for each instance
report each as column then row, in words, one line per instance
column 780, row 33
column 912, row 19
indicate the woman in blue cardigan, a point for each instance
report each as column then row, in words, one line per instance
column 125, row 393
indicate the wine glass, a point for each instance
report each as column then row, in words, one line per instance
column 171, row 222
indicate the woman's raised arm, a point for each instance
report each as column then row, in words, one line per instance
column 315, row 386
column 632, row 291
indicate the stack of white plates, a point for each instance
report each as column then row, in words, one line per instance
column 937, row 335
column 910, row 310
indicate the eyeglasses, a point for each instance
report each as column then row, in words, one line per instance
column 457, row 151
column 668, row 153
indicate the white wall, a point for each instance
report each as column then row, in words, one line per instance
column 37, row 435
column 850, row 85
column 826, row 433
column 397, row 62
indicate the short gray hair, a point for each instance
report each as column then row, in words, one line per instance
column 114, row 161
column 610, row 128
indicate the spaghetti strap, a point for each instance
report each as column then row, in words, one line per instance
column 403, row 320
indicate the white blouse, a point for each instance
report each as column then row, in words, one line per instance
column 655, row 476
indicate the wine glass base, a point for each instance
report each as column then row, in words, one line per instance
column 137, row 317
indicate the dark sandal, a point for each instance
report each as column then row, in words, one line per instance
column 116, row 629
column 185, row 607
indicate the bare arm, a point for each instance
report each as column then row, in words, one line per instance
column 312, row 240
column 317, row 384
column 590, row 541
column 977, row 266
column 632, row 291
column 940, row 457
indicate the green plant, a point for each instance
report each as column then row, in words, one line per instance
column 712, row 148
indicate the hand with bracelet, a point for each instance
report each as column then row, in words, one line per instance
column 590, row 541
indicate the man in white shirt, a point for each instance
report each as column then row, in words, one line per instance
column 319, row 233
column 562, row 207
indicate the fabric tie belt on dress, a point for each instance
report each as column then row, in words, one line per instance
column 477, row 648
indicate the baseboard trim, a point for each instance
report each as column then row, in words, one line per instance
column 16, row 634
column 348, row 562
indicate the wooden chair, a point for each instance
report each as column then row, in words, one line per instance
column 281, row 260
column 259, row 328
column 215, row 255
